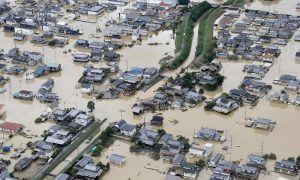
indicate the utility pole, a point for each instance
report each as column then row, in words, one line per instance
column 231, row 141
column 121, row 111
column 262, row 147
column 230, row 146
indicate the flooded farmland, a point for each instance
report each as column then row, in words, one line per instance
column 283, row 140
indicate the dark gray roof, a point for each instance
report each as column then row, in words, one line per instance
column 120, row 123
column 178, row 158
column 84, row 161
column 127, row 127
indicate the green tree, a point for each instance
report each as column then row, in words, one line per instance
column 91, row 106
column 161, row 132
column 291, row 159
column 201, row 91
column 201, row 163
column 272, row 156
column 298, row 160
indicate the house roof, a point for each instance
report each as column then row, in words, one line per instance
column 263, row 121
column 255, row 157
column 127, row 127
column 11, row 126
column 62, row 177
column 179, row 158
column 84, row 161
column 117, row 158
column 120, row 123
column 171, row 177
column 136, row 70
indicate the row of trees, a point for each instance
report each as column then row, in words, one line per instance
column 187, row 26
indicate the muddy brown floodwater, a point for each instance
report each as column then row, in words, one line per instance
column 283, row 140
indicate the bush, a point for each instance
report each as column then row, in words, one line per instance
column 51, row 43
column 201, row 91
column 266, row 156
column 185, row 141
column 298, row 160
column 272, row 156
column 209, row 106
column 38, row 120
column 135, row 148
column 161, row 132
column 201, row 163
column 291, row 159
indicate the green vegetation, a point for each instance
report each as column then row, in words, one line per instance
column 201, row 32
column 184, row 35
column 198, row 10
column 161, row 132
column 104, row 167
column 201, row 164
column 38, row 120
column 185, row 141
column 51, row 43
column 291, row 159
column 218, row 82
column 272, row 156
column 6, row 162
column 201, row 91
column 187, row 37
column 105, row 140
column 298, row 161
column 56, row 152
column 154, row 151
column 179, row 33
column 209, row 106
column 91, row 106
column 234, row 2
column 209, row 50
column 187, row 79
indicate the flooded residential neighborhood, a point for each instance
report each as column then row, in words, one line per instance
column 149, row 89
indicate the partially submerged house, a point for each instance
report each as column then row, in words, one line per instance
column 117, row 159
column 286, row 167
column 10, row 127
column 208, row 134
column 262, row 123
column 225, row 105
